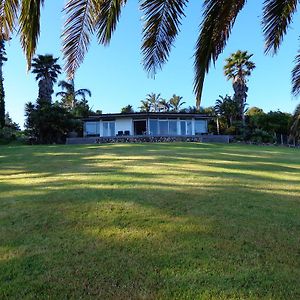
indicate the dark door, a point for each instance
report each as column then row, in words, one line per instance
column 140, row 127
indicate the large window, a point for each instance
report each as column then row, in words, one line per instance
column 163, row 127
column 200, row 127
column 186, row 127
column 109, row 128
column 92, row 128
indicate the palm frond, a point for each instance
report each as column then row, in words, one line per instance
column 83, row 92
column 8, row 17
column 79, row 26
column 30, row 26
column 219, row 18
column 296, row 76
column 107, row 14
column 277, row 16
column 161, row 26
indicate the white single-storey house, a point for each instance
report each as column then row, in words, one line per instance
column 145, row 124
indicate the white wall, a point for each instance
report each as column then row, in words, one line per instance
column 124, row 125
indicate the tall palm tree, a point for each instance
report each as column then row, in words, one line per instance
column 162, row 20
column 237, row 68
column 176, row 103
column 46, row 70
column 3, row 59
column 69, row 95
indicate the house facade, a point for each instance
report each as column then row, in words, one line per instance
column 146, row 124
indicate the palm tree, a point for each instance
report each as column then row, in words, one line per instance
column 145, row 107
column 228, row 108
column 295, row 128
column 3, row 58
column 154, row 100
column 46, row 69
column 175, row 103
column 162, row 20
column 128, row 109
column 163, row 105
column 237, row 68
column 69, row 94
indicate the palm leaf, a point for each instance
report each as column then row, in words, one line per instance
column 296, row 76
column 8, row 16
column 162, row 21
column 218, row 19
column 30, row 26
column 107, row 14
column 277, row 16
column 79, row 26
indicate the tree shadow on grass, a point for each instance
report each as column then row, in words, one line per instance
column 116, row 231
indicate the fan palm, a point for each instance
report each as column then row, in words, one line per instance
column 46, row 70
column 237, row 68
column 176, row 103
column 69, row 95
column 162, row 20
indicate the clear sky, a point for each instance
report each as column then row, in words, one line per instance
column 116, row 77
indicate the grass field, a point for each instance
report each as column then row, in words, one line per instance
column 149, row 221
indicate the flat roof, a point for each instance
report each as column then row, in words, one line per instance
column 140, row 115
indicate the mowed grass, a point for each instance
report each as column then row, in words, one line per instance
column 149, row 221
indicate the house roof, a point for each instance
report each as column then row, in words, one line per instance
column 141, row 115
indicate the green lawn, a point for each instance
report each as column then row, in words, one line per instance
column 149, row 221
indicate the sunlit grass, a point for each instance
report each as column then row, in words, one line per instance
column 149, row 221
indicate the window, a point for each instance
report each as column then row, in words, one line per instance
column 153, row 127
column 163, row 127
column 173, row 127
column 200, row 127
column 183, row 127
column 92, row 128
column 189, row 127
column 109, row 128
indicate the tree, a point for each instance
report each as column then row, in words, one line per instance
column 237, row 68
column 153, row 99
column 162, row 20
column 164, row 105
column 295, row 128
column 69, row 96
column 128, row 109
column 145, row 106
column 2, row 93
column 228, row 108
column 176, row 103
column 46, row 69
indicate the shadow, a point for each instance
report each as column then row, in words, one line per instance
column 170, row 221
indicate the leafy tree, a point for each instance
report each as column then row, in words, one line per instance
column 69, row 96
column 176, row 103
column 10, row 123
column 237, row 68
column 2, row 93
column 162, row 20
column 128, row 109
column 254, row 111
column 46, row 70
column 153, row 99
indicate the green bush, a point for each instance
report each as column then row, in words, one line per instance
column 260, row 136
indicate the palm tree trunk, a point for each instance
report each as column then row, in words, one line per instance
column 2, row 99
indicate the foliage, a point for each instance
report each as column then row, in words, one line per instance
column 128, row 109
column 46, row 69
column 237, row 68
column 69, row 96
column 3, row 59
column 295, row 127
column 176, row 103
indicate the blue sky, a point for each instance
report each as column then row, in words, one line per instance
column 116, row 77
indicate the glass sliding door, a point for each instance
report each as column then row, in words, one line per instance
column 109, row 128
